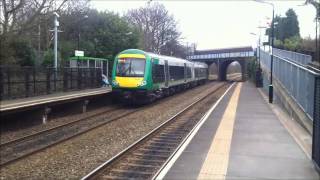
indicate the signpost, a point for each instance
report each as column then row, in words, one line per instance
column 78, row 53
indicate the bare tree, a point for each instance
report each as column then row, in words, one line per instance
column 157, row 26
column 19, row 15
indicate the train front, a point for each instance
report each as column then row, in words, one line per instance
column 130, row 75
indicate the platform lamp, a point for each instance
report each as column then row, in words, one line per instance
column 55, row 49
column 272, row 41
column 84, row 17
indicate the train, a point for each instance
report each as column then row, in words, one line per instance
column 143, row 77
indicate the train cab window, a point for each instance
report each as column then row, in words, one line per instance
column 131, row 67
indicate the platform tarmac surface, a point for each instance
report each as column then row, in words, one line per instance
column 242, row 139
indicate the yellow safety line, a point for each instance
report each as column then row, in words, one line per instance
column 216, row 163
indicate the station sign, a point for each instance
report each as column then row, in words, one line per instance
column 78, row 53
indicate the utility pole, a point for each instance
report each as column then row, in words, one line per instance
column 39, row 40
column 272, row 43
column 317, row 56
column 271, row 63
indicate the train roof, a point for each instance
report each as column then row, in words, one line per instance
column 171, row 60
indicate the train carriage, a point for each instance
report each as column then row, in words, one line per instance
column 142, row 76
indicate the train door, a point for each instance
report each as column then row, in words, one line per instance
column 166, row 73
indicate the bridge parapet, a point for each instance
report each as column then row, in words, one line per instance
column 222, row 53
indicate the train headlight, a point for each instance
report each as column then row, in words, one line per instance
column 142, row 83
column 115, row 83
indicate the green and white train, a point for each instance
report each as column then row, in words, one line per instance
column 142, row 76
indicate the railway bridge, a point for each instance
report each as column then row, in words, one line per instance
column 222, row 58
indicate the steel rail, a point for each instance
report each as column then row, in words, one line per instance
column 67, row 138
column 118, row 156
column 53, row 128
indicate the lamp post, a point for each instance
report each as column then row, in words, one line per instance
column 317, row 52
column 55, row 49
column 271, row 62
column 85, row 17
column 78, row 49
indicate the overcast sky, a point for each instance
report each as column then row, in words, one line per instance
column 219, row 24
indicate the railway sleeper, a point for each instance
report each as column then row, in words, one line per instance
column 178, row 134
column 111, row 177
column 168, row 139
column 155, row 150
column 129, row 159
column 148, row 156
column 159, row 147
column 180, row 129
column 162, row 142
column 163, row 145
column 141, row 164
column 151, row 162
column 130, row 174
column 152, row 152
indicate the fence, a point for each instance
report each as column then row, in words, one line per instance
column 304, row 87
column 297, row 80
column 316, row 127
column 293, row 56
column 20, row 82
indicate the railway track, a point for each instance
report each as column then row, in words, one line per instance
column 20, row 148
column 17, row 149
column 146, row 156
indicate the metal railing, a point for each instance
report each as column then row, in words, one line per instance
column 296, row 79
column 304, row 87
column 293, row 56
column 20, row 82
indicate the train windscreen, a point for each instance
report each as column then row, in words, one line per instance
column 131, row 67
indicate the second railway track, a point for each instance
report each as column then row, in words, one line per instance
column 145, row 157
column 17, row 149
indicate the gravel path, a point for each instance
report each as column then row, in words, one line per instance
column 78, row 156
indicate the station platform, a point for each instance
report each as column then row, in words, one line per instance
column 242, row 138
column 23, row 103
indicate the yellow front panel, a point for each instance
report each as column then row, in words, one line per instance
column 129, row 82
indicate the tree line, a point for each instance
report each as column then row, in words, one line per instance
column 27, row 39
